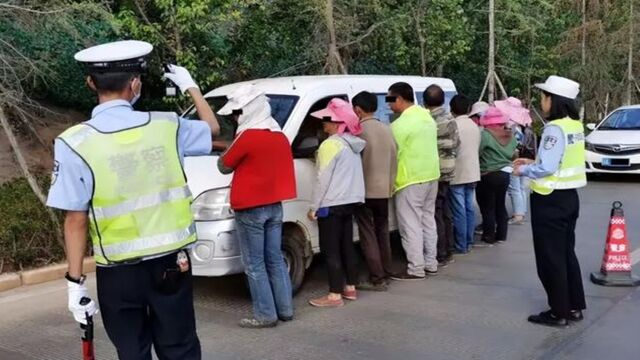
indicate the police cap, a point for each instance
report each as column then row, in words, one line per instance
column 118, row 56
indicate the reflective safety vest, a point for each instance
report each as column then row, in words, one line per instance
column 141, row 205
column 572, row 173
column 416, row 134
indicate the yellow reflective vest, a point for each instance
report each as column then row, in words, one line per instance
column 141, row 205
column 416, row 134
column 572, row 172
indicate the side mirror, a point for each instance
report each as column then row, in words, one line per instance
column 591, row 126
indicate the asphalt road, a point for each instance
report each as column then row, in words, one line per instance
column 474, row 309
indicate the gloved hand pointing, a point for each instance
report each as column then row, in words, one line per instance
column 76, row 292
column 181, row 77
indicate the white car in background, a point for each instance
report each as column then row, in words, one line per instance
column 292, row 99
column 614, row 144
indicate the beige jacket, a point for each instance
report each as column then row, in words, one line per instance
column 379, row 159
column 468, row 158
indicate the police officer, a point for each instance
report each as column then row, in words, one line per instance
column 119, row 175
column 558, row 171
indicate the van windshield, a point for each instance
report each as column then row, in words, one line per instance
column 281, row 108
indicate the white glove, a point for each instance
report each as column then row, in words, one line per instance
column 76, row 292
column 181, row 77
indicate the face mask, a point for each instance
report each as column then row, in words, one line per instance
column 136, row 97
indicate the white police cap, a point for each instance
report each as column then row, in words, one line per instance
column 560, row 86
column 118, row 56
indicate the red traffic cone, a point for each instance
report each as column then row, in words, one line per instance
column 616, row 262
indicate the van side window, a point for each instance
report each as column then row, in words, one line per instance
column 310, row 135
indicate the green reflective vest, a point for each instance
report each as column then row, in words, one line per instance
column 572, row 173
column 416, row 134
column 141, row 205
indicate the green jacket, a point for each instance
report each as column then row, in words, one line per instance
column 416, row 134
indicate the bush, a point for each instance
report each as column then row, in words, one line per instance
column 27, row 234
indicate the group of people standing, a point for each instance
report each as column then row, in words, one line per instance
column 119, row 178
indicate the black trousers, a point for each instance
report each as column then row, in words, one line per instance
column 147, row 303
column 336, row 244
column 373, row 226
column 444, row 222
column 491, row 194
column 553, row 220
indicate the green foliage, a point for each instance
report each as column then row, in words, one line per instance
column 27, row 235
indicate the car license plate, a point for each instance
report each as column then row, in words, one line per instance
column 615, row 162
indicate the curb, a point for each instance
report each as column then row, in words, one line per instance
column 44, row 274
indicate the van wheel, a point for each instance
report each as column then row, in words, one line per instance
column 293, row 253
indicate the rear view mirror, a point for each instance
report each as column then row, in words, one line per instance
column 591, row 126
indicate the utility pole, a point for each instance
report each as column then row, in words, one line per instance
column 630, row 78
column 491, row 74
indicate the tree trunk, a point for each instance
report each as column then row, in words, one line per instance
column 492, row 53
column 33, row 183
column 584, row 46
column 334, row 63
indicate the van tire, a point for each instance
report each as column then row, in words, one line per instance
column 293, row 253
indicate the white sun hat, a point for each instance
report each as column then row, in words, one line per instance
column 560, row 86
column 239, row 98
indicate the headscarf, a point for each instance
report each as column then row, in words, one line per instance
column 256, row 111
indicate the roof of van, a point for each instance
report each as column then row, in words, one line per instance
column 297, row 85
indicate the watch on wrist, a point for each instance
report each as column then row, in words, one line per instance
column 79, row 281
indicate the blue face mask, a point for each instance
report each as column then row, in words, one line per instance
column 136, row 97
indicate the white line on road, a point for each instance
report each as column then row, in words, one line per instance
column 635, row 256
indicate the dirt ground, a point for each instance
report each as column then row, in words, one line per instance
column 38, row 157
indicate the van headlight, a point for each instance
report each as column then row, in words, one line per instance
column 212, row 205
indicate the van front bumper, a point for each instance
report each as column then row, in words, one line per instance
column 217, row 251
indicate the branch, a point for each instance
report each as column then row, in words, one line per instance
column 21, row 8
column 366, row 34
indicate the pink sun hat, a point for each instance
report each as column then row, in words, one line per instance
column 512, row 108
column 340, row 111
column 493, row 116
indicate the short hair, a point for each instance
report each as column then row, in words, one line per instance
column 460, row 104
column 403, row 90
column 112, row 81
column 366, row 101
column 562, row 107
column 433, row 96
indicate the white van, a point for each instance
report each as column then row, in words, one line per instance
column 292, row 99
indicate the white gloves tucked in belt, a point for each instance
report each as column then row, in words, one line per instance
column 181, row 77
column 80, row 312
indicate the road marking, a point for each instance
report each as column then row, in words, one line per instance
column 635, row 257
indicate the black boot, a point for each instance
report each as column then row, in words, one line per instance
column 576, row 315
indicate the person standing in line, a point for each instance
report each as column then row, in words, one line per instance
column 555, row 205
column 497, row 150
column 466, row 177
column 448, row 143
column 416, row 185
column 477, row 110
column 119, row 177
column 520, row 122
column 337, row 194
column 263, row 177
column 379, row 162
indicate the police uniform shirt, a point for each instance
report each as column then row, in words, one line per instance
column 72, row 181
column 549, row 154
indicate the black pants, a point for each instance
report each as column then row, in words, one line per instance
column 149, row 303
column 553, row 220
column 444, row 222
column 373, row 226
column 336, row 244
column 491, row 194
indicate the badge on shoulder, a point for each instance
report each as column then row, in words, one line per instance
column 182, row 261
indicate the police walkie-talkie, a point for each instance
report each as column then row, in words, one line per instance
column 170, row 88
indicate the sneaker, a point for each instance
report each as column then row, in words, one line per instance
column 478, row 230
column 516, row 220
column 431, row 272
column 257, row 324
column 285, row 318
column 443, row 264
column 482, row 243
column 325, row 301
column 500, row 241
column 407, row 277
column 548, row 319
column 350, row 295
column 576, row 315
column 368, row 286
